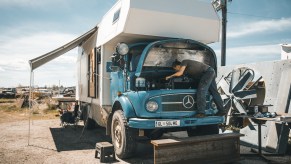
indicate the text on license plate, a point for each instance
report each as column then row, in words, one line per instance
column 167, row 123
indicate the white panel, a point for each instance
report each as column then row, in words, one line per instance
column 188, row 19
column 192, row 8
column 82, row 78
column 107, row 52
column 172, row 25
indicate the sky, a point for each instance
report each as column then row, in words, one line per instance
column 30, row 28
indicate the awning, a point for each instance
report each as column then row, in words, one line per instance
column 41, row 60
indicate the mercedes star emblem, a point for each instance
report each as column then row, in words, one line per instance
column 188, row 101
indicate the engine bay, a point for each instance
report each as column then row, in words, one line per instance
column 151, row 83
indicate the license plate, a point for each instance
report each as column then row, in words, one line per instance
column 167, row 123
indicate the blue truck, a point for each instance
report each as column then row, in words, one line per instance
column 123, row 62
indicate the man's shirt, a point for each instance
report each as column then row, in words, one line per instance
column 194, row 68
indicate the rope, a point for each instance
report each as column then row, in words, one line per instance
column 102, row 76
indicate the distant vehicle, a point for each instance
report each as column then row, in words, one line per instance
column 68, row 92
column 8, row 93
column 24, row 91
column 43, row 92
column 11, row 90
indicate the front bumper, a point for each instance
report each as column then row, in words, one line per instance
column 142, row 123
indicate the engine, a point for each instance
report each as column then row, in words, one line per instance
column 149, row 83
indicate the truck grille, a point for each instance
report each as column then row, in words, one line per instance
column 179, row 102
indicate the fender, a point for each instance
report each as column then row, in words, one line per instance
column 126, row 106
column 124, row 103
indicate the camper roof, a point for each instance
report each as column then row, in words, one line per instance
column 133, row 20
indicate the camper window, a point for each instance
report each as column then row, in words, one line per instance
column 116, row 16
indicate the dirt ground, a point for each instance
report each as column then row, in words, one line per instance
column 48, row 142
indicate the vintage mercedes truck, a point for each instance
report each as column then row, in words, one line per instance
column 123, row 63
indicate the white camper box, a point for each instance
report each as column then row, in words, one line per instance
column 143, row 20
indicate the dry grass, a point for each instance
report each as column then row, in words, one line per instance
column 10, row 112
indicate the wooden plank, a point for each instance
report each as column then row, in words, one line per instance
column 195, row 139
column 204, row 149
column 92, row 79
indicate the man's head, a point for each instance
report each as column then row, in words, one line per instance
column 176, row 65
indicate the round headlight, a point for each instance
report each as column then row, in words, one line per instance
column 152, row 106
column 122, row 48
column 213, row 105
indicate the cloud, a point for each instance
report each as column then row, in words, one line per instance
column 28, row 3
column 251, row 54
column 1, row 69
column 260, row 27
column 255, row 50
column 15, row 52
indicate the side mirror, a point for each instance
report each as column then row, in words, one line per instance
column 111, row 68
column 118, row 61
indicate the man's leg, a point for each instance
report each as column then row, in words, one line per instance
column 216, row 98
column 203, row 88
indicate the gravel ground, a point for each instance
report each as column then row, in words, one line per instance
column 50, row 143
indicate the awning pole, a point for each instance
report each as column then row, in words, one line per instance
column 30, row 103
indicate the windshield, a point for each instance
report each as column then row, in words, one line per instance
column 164, row 57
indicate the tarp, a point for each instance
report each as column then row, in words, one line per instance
column 39, row 61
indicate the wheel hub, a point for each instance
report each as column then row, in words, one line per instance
column 117, row 135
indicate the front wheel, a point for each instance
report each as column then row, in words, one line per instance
column 123, row 137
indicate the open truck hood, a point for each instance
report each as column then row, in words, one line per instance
column 166, row 51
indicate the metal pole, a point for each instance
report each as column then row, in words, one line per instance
column 223, row 34
column 29, row 103
column 59, row 87
column 260, row 137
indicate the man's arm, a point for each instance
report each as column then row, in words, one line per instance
column 177, row 74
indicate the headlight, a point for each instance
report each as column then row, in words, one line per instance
column 152, row 106
column 213, row 105
column 122, row 48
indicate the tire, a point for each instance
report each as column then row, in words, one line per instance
column 203, row 130
column 123, row 137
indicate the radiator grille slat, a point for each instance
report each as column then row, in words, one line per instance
column 171, row 103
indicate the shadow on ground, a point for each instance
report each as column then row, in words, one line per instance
column 72, row 138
